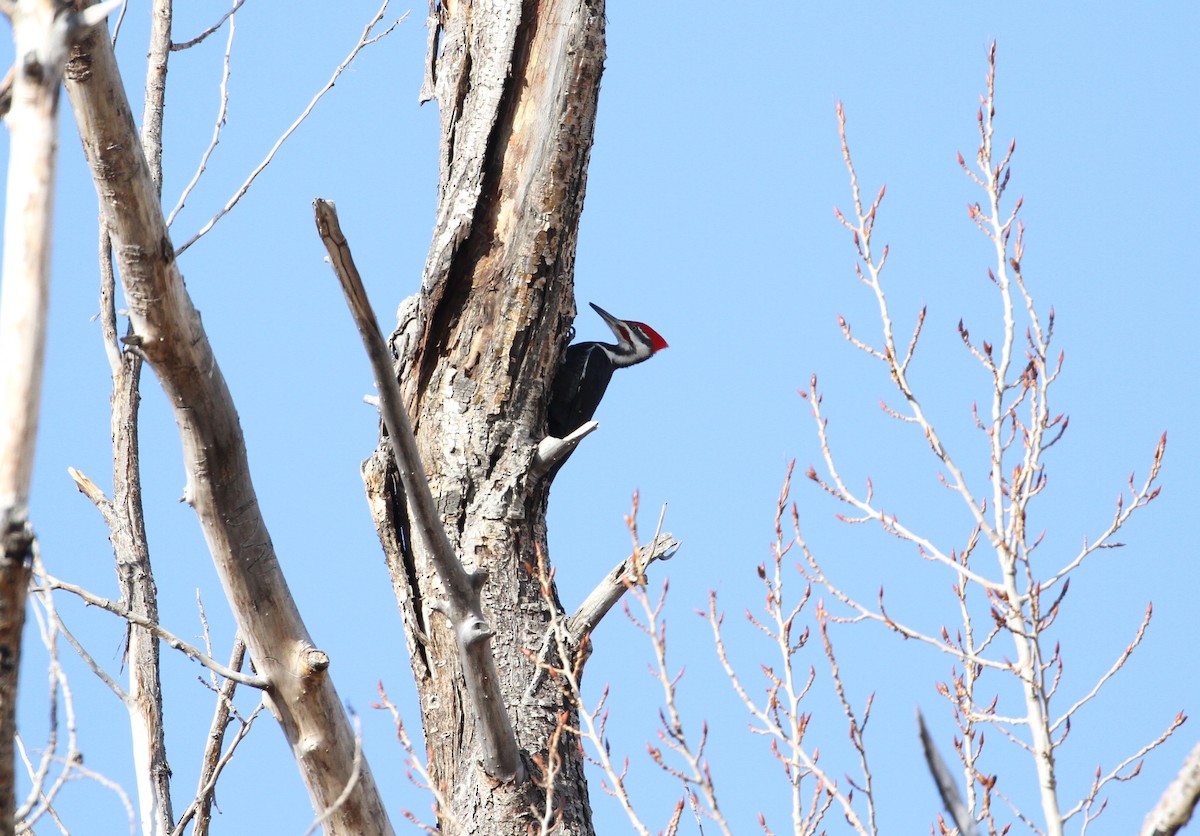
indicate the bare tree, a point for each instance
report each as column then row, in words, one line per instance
column 1006, row 608
column 518, row 90
column 1007, row 605
column 459, row 483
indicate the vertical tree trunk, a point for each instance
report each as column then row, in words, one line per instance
column 139, row 593
column 40, row 30
column 517, row 84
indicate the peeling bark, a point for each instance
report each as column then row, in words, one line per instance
column 517, row 86
column 463, row 604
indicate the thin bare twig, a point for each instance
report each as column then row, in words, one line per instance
column 170, row 638
column 779, row 716
column 567, row 671
column 212, row 762
column 188, row 44
column 365, row 40
column 200, row 806
column 416, row 765
column 222, row 114
column 41, row 797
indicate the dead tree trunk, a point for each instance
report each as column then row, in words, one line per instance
column 517, row 83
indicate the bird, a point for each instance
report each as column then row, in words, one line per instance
column 588, row 366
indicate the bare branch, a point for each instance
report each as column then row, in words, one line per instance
column 42, row 33
column 222, row 113
column 614, row 585
column 552, row 451
column 41, row 796
column 200, row 807
column 210, row 30
column 168, row 330
column 171, row 639
column 502, row 759
column 1109, row 674
column 945, row 782
column 1121, row 773
column 365, row 40
column 156, row 87
column 212, row 761
column 1019, row 429
column 1174, row 808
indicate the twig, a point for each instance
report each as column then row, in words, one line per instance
column 175, row 47
column 591, row 730
column 211, row 762
column 415, row 764
column 1119, row 773
column 779, row 715
column 40, row 798
column 365, row 40
column 222, row 113
column 1109, row 674
column 856, row 726
column 201, row 805
column 170, row 638
column 115, row 788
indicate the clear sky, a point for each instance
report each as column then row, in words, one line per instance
column 709, row 216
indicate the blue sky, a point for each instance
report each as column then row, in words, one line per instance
column 709, row 216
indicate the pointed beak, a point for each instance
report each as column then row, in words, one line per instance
column 613, row 323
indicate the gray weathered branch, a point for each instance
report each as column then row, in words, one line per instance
column 613, row 586
column 168, row 331
column 947, row 789
column 128, row 528
column 502, row 756
column 552, row 451
column 1174, row 809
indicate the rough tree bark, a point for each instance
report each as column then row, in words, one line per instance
column 128, row 528
column 517, row 85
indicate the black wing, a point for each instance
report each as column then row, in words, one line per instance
column 578, row 388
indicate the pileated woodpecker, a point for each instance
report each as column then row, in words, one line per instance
column 587, row 368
